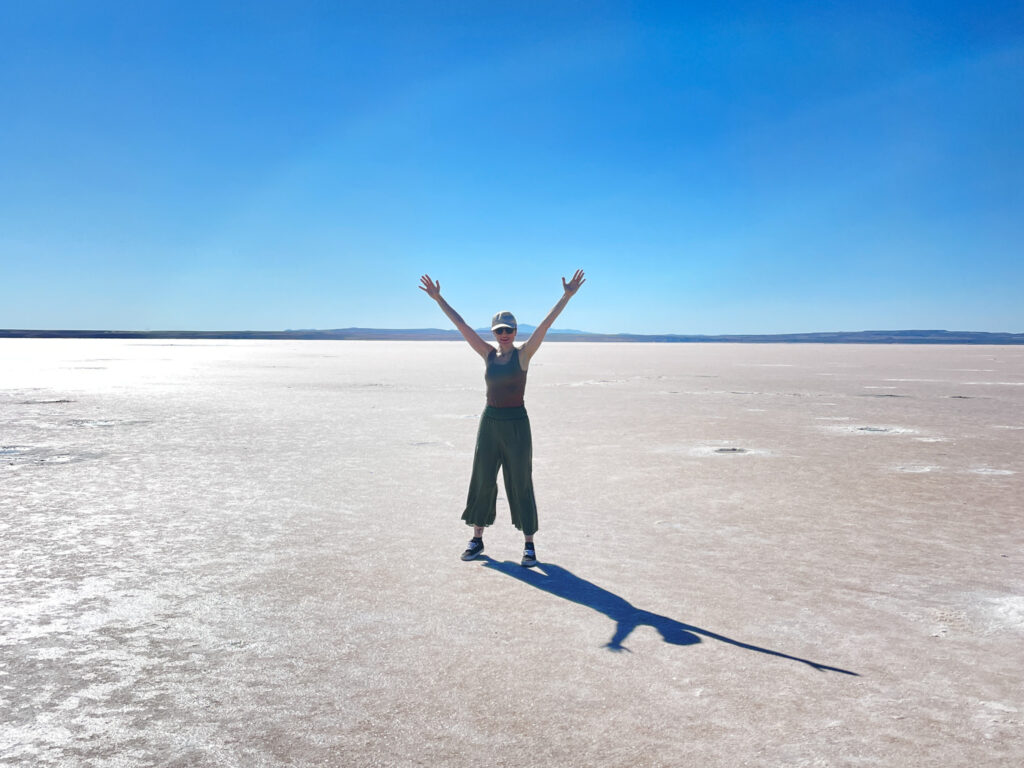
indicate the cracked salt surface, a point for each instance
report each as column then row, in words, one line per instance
column 258, row 564
column 1007, row 611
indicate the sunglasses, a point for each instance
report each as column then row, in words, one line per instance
column 504, row 331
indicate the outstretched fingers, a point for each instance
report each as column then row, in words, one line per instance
column 433, row 288
column 574, row 285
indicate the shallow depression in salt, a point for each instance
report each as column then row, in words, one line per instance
column 870, row 429
column 726, row 450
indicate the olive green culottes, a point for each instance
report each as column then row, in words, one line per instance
column 503, row 440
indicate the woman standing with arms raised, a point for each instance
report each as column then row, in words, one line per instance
column 503, row 438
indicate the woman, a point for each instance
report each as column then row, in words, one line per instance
column 503, row 438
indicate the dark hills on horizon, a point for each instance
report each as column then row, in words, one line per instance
column 438, row 334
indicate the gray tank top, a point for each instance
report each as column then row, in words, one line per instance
column 506, row 382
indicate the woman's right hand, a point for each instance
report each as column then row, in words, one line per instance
column 432, row 288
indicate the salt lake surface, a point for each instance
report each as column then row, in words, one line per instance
column 246, row 554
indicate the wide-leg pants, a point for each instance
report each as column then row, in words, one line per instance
column 503, row 440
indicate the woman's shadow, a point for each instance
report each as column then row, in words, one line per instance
column 565, row 584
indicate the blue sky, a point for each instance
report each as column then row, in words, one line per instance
column 720, row 167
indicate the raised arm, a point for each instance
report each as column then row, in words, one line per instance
column 533, row 343
column 433, row 290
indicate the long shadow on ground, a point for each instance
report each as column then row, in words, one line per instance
column 565, row 584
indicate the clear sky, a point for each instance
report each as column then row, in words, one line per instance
column 715, row 167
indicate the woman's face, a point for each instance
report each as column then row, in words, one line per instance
column 505, row 335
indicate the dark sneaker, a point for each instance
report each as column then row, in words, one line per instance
column 529, row 556
column 473, row 549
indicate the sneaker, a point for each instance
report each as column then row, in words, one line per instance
column 529, row 556
column 473, row 549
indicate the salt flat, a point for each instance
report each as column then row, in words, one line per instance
column 246, row 554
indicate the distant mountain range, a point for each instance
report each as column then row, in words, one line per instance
column 437, row 334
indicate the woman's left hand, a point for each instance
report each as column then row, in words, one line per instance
column 573, row 285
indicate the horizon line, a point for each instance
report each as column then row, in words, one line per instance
column 917, row 336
